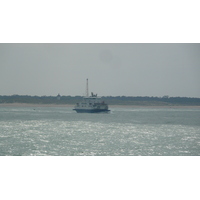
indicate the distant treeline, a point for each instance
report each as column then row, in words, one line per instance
column 118, row 100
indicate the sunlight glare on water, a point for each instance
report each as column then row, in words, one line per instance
column 59, row 131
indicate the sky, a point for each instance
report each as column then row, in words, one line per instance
column 113, row 69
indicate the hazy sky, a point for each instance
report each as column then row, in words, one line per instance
column 112, row 69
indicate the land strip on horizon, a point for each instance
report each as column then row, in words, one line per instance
column 119, row 100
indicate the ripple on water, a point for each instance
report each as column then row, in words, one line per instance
column 100, row 135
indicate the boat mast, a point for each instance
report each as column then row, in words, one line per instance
column 87, row 90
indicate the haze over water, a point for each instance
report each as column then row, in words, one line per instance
column 59, row 131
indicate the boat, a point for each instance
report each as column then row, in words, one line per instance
column 91, row 104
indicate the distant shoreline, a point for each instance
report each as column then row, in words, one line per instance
column 111, row 106
column 34, row 105
column 152, row 106
column 60, row 101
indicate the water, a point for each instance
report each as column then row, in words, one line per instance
column 59, row 131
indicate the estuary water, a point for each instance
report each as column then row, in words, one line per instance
column 125, row 131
